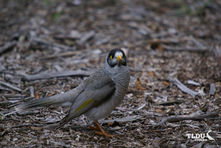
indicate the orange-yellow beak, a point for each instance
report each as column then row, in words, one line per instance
column 119, row 58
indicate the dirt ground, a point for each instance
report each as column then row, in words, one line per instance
column 174, row 55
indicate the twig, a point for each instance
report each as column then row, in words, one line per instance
column 12, row 95
column 137, row 70
column 7, row 46
column 122, row 120
column 27, row 125
column 178, row 118
column 5, row 103
column 42, row 44
column 46, row 75
column 212, row 89
column 193, row 83
column 183, row 87
column 4, row 89
column 32, row 91
column 197, row 43
column 187, row 49
column 67, row 37
column 63, row 54
column 171, row 102
column 10, row 86
column 9, row 113
column 86, row 37
column 163, row 41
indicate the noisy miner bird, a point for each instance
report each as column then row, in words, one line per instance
column 96, row 96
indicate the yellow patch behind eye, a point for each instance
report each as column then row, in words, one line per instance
column 111, row 57
column 83, row 105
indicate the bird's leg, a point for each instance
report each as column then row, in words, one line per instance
column 100, row 130
column 94, row 127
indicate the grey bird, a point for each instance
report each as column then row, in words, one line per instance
column 96, row 96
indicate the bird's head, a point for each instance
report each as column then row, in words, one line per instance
column 116, row 57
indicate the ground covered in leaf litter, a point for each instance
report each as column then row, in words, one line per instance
column 170, row 45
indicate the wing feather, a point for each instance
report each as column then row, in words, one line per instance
column 100, row 88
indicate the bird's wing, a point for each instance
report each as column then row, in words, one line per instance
column 99, row 88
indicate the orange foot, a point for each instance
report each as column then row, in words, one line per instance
column 100, row 130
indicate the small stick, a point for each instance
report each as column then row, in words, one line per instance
column 178, row 118
column 7, row 46
column 163, row 41
column 86, row 37
column 212, row 89
column 187, row 49
column 10, row 86
column 46, row 75
column 32, row 91
column 171, row 102
column 65, row 54
column 42, row 44
column 27, row 125
column 183, row 87
column 122, row 120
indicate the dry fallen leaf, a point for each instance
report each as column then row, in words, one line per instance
column 36, row 128
column 158, row 110
column 151, row 73
column 165, row 83
column 36, row 95
column 138, row 84
column 52, row 94
column 110, row 123
column 160, row 48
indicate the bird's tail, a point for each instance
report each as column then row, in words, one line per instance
column 56, row 99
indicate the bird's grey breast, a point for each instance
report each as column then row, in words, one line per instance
column 121, row 81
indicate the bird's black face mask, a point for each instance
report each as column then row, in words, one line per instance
column 117, row 57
